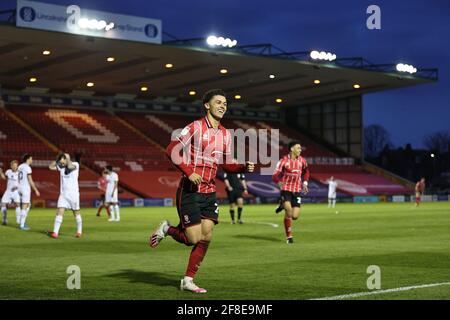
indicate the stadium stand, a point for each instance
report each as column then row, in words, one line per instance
column 161, row 126
column 15, row 140
column 96, row 134
column 133, row 143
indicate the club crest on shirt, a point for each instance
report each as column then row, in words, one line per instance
column 205, row 136
column 186, row 218
column 185, row 131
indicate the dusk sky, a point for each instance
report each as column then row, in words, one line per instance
column 416, row 32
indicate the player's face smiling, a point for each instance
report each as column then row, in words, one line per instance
column 296, row 150
column 14, row 166
column 218, row 107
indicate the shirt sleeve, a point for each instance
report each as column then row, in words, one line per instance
column 305, row 171
column 227, row 142
column 276, row 177
column 175, row 153
column 230, row 164
column 186, row 135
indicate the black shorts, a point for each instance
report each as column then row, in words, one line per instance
column 234, row 195
column 293, row 197
column 192, row 207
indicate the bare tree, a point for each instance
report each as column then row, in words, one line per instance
column 437, row 141
column 376, row 138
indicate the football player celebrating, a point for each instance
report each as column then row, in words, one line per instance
column 206, row 144
column 289, row 174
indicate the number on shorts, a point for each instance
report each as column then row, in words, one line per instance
column 299, row 200
column 217, row 208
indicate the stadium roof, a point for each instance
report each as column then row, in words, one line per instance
column 75, row 60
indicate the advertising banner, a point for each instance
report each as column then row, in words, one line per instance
column 76, row 20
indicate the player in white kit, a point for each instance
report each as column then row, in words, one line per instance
column 11, row 194
column 332, row 185
column 25, row 184
column 111, row 195
column 69, row 194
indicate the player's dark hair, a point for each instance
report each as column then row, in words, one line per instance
column 14, row 161
column 109, row 168
column 25, row 157
column 292, row 143
column 211, row 93
column 60, row 156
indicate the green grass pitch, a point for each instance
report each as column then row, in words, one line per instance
column 250, row 261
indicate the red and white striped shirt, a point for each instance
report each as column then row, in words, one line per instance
column 204, row 148
column 101, row 183
column 420, row 186
column 289, row 172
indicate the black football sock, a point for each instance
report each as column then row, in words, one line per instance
column 239, row 213
column 232, row 214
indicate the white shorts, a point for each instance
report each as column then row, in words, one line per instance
column 25, row 195
column 71, row 203
column 332, row 195
column 11, row 196
column 108, row 198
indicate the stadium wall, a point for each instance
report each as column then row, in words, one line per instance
column 338, row 122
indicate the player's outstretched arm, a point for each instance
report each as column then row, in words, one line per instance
column 278, row 173
column 173, row 153
column 305, row 187
column 305, row 178
column 231, row 165
column 31, row 182
column 2, row 175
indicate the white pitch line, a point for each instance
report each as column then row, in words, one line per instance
column 265, row 223
column 368, row 293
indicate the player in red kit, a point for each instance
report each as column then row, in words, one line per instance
column 101, row 184
column 419, row 189
column 204, row 144
column 289, row 174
